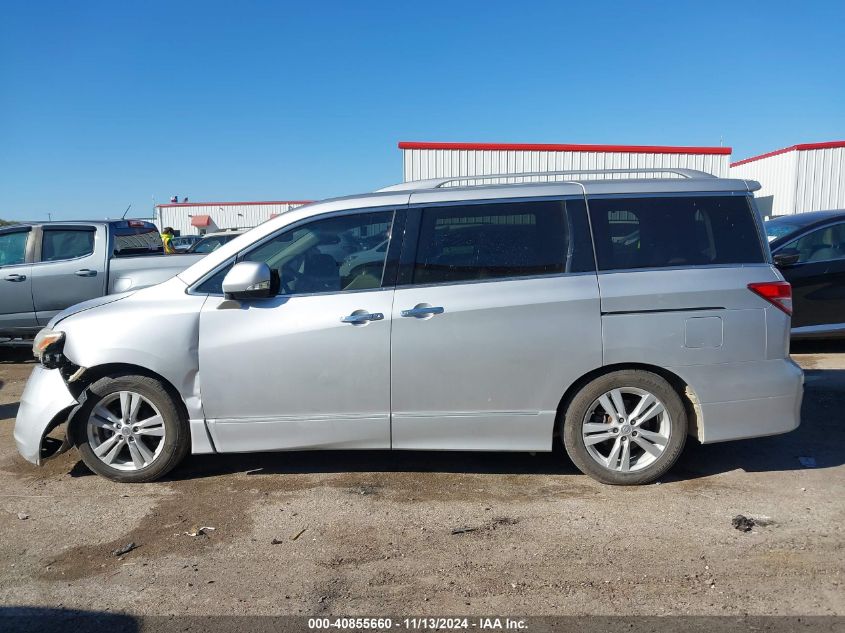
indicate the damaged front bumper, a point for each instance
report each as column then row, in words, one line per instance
column 46, row 402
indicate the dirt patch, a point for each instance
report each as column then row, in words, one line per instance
column 493, row 524
column 66, row 464
column 162, row 531
column 186, row 504
column 421, row 487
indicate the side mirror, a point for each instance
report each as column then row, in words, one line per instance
column 786, row 257
column 248, row 280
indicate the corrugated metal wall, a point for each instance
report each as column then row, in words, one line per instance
column 776, row 175
column 420, row 164
column 820, row 179
column 801, row 178
column 228, row 215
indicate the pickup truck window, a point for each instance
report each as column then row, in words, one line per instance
column 13, row 248
column 137, row 241
column 59, row 244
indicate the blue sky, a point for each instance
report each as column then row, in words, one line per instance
column 103, row 104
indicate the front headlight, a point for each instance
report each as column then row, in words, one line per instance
column 47, row 347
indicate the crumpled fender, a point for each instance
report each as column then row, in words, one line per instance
column 46, row 402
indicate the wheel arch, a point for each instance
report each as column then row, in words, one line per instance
column 681, row 387
column 93, row 374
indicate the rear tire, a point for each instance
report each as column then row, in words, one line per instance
column 627, row 427
column 129, row 429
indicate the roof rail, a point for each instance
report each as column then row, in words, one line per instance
column 436, row 183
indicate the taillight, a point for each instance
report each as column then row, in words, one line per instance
column 778, row 293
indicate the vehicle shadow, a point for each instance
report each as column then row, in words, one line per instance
column 328, row 462
column 820, row 437
column 48, row 620
column 8, row 411
column 819, row 346
column 15, row 355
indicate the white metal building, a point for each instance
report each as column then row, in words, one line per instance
column 808, row 177
column 197, row 218
column 437, row 160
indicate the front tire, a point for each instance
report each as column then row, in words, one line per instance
column 627, row 427
column 129, row 429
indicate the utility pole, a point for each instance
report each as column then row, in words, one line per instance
column 49, row 217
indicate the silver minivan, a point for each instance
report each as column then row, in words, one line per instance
column 616, row 312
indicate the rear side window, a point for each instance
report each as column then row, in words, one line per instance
column 506, row 239
column 59, row 244
column 142, row 240
column 661, row 232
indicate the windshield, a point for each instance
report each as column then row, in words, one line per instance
column 776, row 229
column 211, row 244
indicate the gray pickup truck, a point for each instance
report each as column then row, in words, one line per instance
column 47, row 267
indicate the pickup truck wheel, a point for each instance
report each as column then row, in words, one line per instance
column 128, row 429
column 626, row 427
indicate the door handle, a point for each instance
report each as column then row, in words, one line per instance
column 359, row 316
column 422, row 311
column 15, row 277
column 85, row 272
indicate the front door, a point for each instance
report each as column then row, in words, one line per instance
column 495, row 315
column 71, row 268
column 308, row 368
column 16, row 309
column 818, row 278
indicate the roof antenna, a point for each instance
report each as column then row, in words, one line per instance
column 123, row 217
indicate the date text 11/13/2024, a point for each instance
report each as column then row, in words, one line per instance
column 421, row 623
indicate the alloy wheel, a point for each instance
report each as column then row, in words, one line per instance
column 126, row 431
column 626, row 429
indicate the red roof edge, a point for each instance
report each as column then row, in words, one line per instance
column 799, row 147
column 553, row 147
column 225, row 204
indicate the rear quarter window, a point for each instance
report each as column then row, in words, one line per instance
column 662, row 232
column 61, row 244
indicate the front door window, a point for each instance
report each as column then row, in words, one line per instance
column 13, row 248
column 822, row 245
column 329, row 255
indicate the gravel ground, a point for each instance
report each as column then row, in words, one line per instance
column 370, row 533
